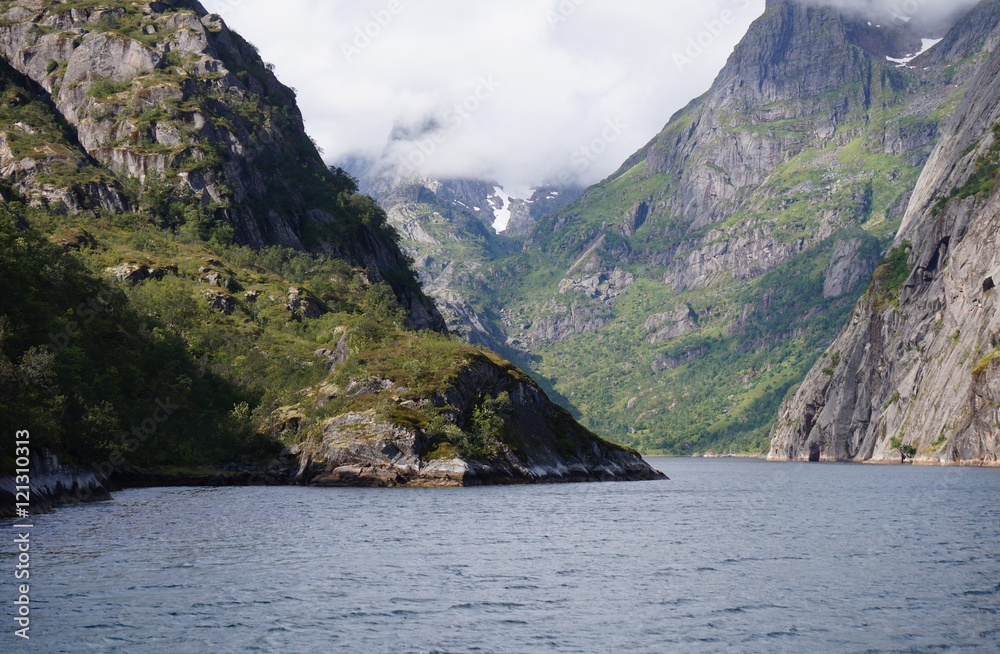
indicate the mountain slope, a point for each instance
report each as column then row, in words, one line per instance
column 676, row 303
column 154, row 313
column 449, row 227
column 165, row 91
column 917, row 370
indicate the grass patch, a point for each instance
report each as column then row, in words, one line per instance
column 891, row 274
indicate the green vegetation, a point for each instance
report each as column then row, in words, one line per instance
column 87, row 362
column 986, row 172
column 905, row 451
column 104, row 88
column 92, row 376
column 891, row 274
column 985, row 363
column 33, row 130
column 489, row 426
column 834, row 362
column 722, row 384
column 984, row 177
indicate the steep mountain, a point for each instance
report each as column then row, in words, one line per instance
column 916, row 373
column 185, row 285
column 676, row 303
column 454, row 229
column 166, row 91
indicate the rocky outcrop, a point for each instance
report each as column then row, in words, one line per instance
column 53, row 482
column 537, row 443
column 557, row 322
column 40, row 161
column 918, row 366
column 745, row 255
column 663, row 362
column 603, row 287
column 800, row 80
column 850, row 265
column 793, row 58
column 672, row 324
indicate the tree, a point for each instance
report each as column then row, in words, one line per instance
column 905, row 451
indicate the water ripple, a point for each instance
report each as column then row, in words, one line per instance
column 730, row 556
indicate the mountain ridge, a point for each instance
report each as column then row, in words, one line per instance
column 677, row 301
column 197, row 254
column 914, row 376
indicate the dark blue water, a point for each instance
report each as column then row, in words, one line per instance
column 729, row 556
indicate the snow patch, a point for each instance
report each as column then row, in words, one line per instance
column 502, row 214
column 927, row 45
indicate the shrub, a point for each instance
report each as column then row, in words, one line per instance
column 891, row 273
column 105, row 88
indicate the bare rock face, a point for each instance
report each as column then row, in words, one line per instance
column 849, row 266
column 304, row 305
column 337, row 356
column 358, row 449
column 746, row 253
column 558, row 322
column 663, row 362
column 673, row 324
column 221, row 302
column 38, row 160
column 106, row 81
column 919, row 364
column 604, row 286
column 134, row 272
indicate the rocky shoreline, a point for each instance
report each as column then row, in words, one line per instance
column 55, row 484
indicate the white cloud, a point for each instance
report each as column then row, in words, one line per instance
column 929, row 10
column 565, row 68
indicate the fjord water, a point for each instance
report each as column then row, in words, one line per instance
column 730, row 555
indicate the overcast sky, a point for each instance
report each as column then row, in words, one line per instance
column 525, row 91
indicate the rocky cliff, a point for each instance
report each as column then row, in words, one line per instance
column 518, row 436
column 916, row 373
column 164, row 91
column 676, row 303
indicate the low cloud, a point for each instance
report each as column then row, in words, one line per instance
column 563, row 69
column 928, row 12
column 558, row 73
